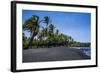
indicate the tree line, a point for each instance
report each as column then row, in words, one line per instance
column 48, row 36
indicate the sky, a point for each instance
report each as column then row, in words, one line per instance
column 75, row 24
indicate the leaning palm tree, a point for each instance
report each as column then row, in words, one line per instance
column 32, row 25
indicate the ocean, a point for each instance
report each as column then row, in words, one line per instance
column 87, row 51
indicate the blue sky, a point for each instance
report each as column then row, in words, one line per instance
column 75, row 24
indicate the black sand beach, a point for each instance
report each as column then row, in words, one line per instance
column 53, row 54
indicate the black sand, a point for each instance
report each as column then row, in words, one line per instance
column 53, row 54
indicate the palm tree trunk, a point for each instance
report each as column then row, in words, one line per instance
column 30, row 42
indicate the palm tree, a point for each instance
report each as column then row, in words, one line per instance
column 51, row 30
column 70, row 40
column 57, row 32
column 43, row 32
column 47, row 21
column 66, row 40
column 32, row 25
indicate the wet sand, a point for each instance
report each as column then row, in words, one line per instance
column 53, row 54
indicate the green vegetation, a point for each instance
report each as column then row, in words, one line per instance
column 46, row 36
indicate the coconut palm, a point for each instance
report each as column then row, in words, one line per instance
column 57, row 32
column 32, row 25
column 43, row 33
column 51, row 29
column 47, row 21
